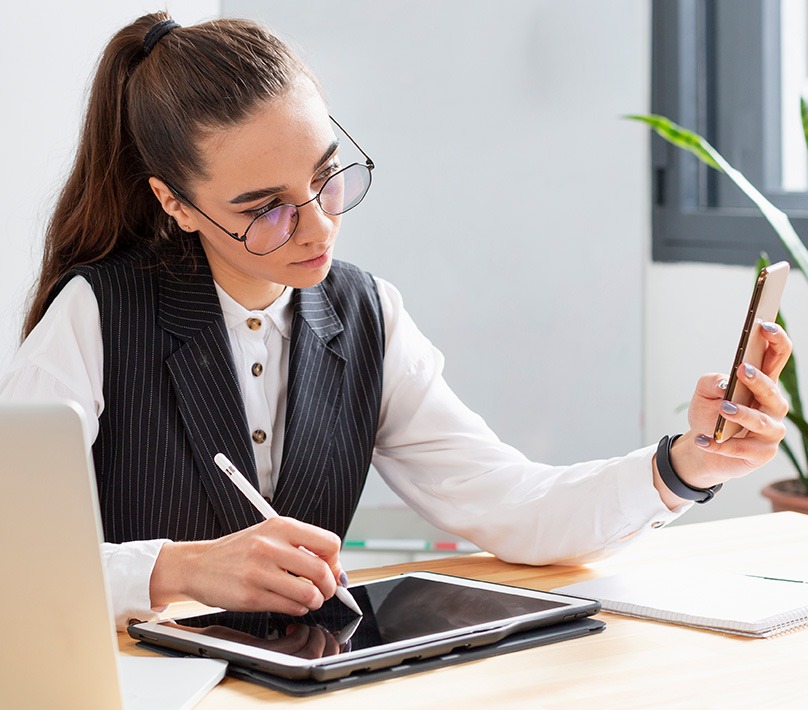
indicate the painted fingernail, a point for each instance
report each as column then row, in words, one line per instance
column 702, row 440
column 729, row 408
column 748, row 370
column 343, row 579
column 769, row 327
column 723, row 384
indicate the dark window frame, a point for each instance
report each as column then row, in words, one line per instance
column 697, row 214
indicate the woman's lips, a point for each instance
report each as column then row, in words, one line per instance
column 316, row 262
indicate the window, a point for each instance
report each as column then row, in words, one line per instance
column 733, row 71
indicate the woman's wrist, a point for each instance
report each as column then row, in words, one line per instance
column 170, row 576
column 674, row 463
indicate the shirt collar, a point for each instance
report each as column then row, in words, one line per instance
column 279, row 313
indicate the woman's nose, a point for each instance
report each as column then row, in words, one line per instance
column 313, row 225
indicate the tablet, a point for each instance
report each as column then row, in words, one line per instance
column 408, row 617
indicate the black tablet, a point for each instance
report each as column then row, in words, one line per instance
column 411, row 616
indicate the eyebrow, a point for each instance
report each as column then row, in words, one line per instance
column 263, row 192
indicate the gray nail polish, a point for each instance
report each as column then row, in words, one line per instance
column 749, row 371
column 343, row 579
column 723, row 384
column 702, row 440
column 769, row 327
column 729, row 408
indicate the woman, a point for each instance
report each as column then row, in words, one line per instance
column 189, row 301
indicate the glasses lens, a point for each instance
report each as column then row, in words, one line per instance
column 272, row 229
column 345, row 190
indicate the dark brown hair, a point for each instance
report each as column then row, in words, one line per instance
column 145, row 116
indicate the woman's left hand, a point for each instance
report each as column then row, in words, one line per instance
column 702, row 462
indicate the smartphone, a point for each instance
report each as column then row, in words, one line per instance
column 768, row 291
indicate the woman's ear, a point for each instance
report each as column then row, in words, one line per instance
column 183, row 215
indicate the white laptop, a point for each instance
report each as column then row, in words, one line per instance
column 59, row 647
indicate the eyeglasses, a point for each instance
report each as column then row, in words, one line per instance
column 272, row 228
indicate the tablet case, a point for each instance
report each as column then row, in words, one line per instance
column 518, row 642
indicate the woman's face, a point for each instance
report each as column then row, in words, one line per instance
column 283, row 154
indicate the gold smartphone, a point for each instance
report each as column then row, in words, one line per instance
column 765, row 303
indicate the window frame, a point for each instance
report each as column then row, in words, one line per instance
column 689, row 221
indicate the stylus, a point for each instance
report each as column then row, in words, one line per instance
column 262, row 506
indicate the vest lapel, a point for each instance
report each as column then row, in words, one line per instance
column 203, row 376
column 314, row 400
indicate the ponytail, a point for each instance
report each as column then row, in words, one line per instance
column 147, row 109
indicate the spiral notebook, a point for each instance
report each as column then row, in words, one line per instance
column 719, row 601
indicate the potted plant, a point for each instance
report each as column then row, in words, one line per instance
column 790, row 494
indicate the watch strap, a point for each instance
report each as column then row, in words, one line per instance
column 672, row 479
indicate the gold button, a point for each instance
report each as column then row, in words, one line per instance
column 257, row 369
column 259, row 436
column 657, row 524
column 253, row 323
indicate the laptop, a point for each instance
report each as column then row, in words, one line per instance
column 59, row 646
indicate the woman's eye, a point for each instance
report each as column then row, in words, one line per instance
column 258, row 211
column 328, row 171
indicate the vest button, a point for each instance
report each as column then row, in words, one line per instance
column 253, row 323
column 257, row 369
column 259, row 436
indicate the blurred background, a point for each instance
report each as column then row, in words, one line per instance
column 511, row 206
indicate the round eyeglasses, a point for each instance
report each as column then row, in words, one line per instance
column 274, row 226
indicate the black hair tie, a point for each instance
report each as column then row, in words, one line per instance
column 156, row 33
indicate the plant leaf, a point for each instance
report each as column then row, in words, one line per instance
column 674, row 133
column 790, row 454
column 804, row 115
column 788, row 378
column 693, row 142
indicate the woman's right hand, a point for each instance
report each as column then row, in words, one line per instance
column 280, row 565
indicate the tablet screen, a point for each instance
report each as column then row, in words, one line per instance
column 394, row 610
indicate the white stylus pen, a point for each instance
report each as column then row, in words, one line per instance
column 263, row 507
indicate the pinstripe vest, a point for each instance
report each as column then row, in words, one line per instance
column 172, row 400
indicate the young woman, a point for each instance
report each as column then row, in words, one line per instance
column 189, row 301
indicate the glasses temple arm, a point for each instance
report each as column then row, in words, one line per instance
column 370, row 162
column 183, row 198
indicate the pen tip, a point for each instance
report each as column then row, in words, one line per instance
column 345, row 597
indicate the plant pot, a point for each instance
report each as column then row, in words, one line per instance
column 787, row 495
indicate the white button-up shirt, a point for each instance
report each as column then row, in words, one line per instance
column 435, row 453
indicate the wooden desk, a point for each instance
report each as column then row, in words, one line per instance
column 633, row 663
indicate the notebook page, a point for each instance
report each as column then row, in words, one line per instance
column 700, row 597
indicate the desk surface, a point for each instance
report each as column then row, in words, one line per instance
column 633, row 663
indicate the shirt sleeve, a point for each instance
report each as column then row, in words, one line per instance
column 128, row 568
column 63, row 358
column 445, row 462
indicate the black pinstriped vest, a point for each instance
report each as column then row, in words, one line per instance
column 172, row 400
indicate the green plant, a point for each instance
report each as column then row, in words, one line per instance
column 697, row 145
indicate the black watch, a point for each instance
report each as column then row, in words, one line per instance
column 671, row 479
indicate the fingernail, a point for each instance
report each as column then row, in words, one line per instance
column 729, row 408
column 702, row 440
column 748, row 370
column 343, row 579
column 769, row 327
column 723, row 384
